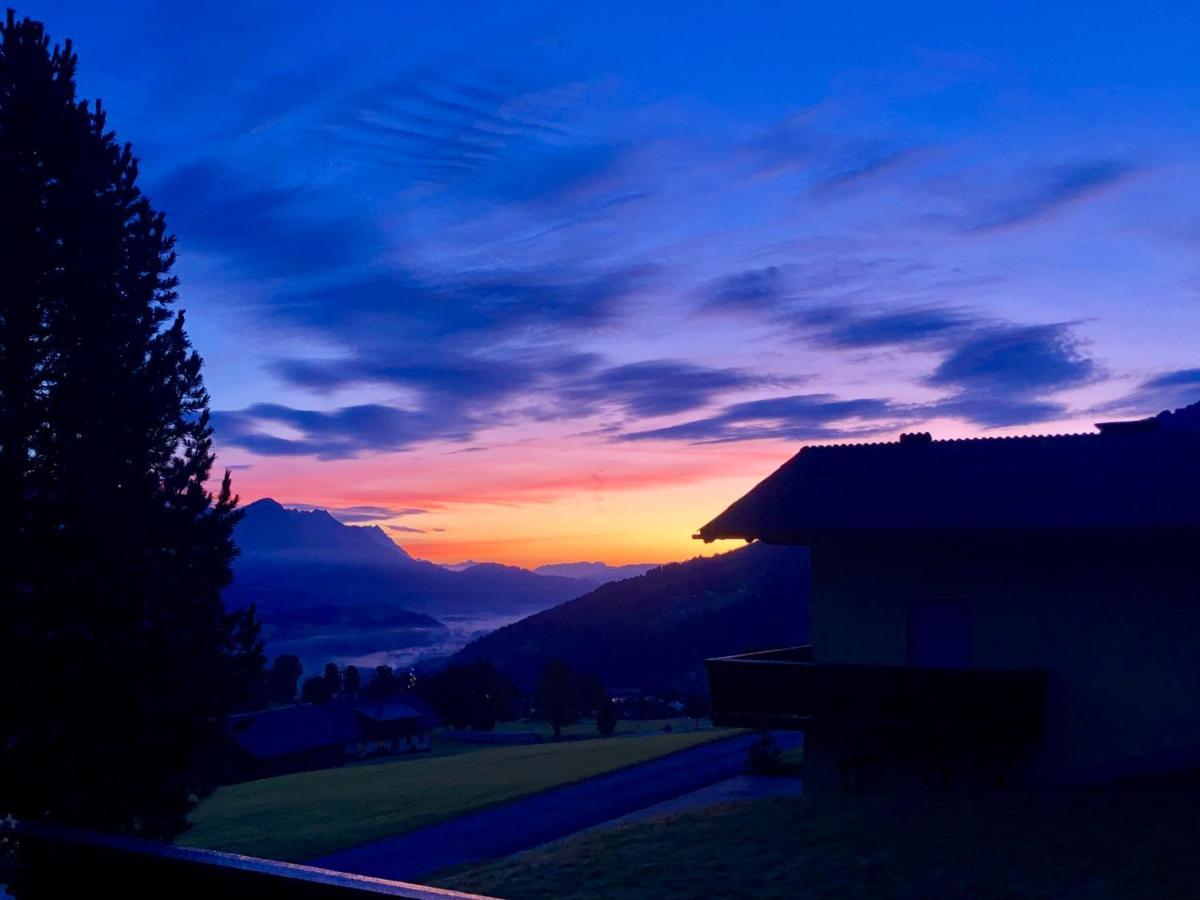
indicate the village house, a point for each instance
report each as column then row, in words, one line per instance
column 1023, row 607
column 321, row 735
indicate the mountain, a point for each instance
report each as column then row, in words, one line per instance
column 292, row 558
column 271, row 531
column 596, row 572
column 657, row 629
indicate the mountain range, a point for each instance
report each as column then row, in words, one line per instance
column 656, row 630
column 595, row 573
column 323, row 588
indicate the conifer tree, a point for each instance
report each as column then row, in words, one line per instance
column 116, row 549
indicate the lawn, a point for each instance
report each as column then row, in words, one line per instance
column 588, row 726
column 309, row 814
column 1131, row 840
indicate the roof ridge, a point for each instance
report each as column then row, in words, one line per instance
column 978, row 439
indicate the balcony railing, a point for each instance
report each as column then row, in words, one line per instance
column 70, row 863
column 784, row 689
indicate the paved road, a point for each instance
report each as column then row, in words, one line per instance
column 739, row 787
column 548, row 816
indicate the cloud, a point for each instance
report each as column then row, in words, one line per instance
column 482, row 379
column 801, row 417
column 1047, row 192
column 1168, row 391
column 862, row 165
column 406, row 529
column 821, row 289
column 660, row 387
column 436, row 311
column 338, row 434
column 263, row 229
column 1004, row 375
column 354, row 515
column 754, row 290
column 456, row 399
column 847, row 330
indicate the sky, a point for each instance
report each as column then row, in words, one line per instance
column 534, row 283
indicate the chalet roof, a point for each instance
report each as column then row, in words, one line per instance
column 1128, row 474
column 396, row 709
column 294, row 729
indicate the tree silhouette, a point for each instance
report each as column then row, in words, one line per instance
column 383, row 684
column 116, row 551
column 556, row 695
column 282, row 679
column 333, row 679
column 315, row 689
column 606, row 717
column 351, row 681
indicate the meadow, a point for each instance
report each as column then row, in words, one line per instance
column 309, row 814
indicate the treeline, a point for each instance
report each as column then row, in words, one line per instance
column 477, row 695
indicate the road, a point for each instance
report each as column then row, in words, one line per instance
column 548, row 816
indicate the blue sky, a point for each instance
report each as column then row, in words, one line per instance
column 583, row 262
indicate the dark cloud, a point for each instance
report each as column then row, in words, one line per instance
column 467, row 378
column 659, row 387
column 264, row 230
column 754, row 290
column 1168, row 391
column 847, row 330
column 822, row 289
column 406, row 529
column 1005, row 375
column 801, row 417
column 454, row 400
column 336, row 434
column 1046, row 192
column 860, row 166
column 438, row 311
column 357, row 515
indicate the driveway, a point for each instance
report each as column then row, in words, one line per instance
column 548, row 816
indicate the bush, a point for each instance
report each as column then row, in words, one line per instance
column 764, row 757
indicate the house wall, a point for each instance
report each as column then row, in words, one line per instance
column 1113, row 616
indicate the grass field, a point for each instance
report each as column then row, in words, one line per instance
column 588, row 726
column 309, row 814
column 1133, row 840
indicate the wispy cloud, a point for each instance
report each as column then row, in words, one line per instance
column 1168, row 391
column 272, row 429
column 1007, row 375
column 357, row 515
column 800, row 417
column 1037, row 195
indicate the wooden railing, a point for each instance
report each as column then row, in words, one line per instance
column 71, row 863
column 783, row 689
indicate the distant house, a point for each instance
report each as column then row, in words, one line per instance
column 321, row 735
column 1023, row 606
column 395, row 725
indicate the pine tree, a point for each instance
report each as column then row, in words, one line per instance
column 118, row 549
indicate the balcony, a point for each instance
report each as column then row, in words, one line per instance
column 71, row 863
column 785, row 689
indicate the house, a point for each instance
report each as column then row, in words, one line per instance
column 321, row 735
column 998, row 607
column 396, row 725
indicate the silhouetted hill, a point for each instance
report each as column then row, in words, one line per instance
column 269, row 530
column 657, row 629
column 309, row 566
column 597, row 572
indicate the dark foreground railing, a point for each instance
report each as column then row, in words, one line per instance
column 783, row 689
column 71, row 863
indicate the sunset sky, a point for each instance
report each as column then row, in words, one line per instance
column 544, row 282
